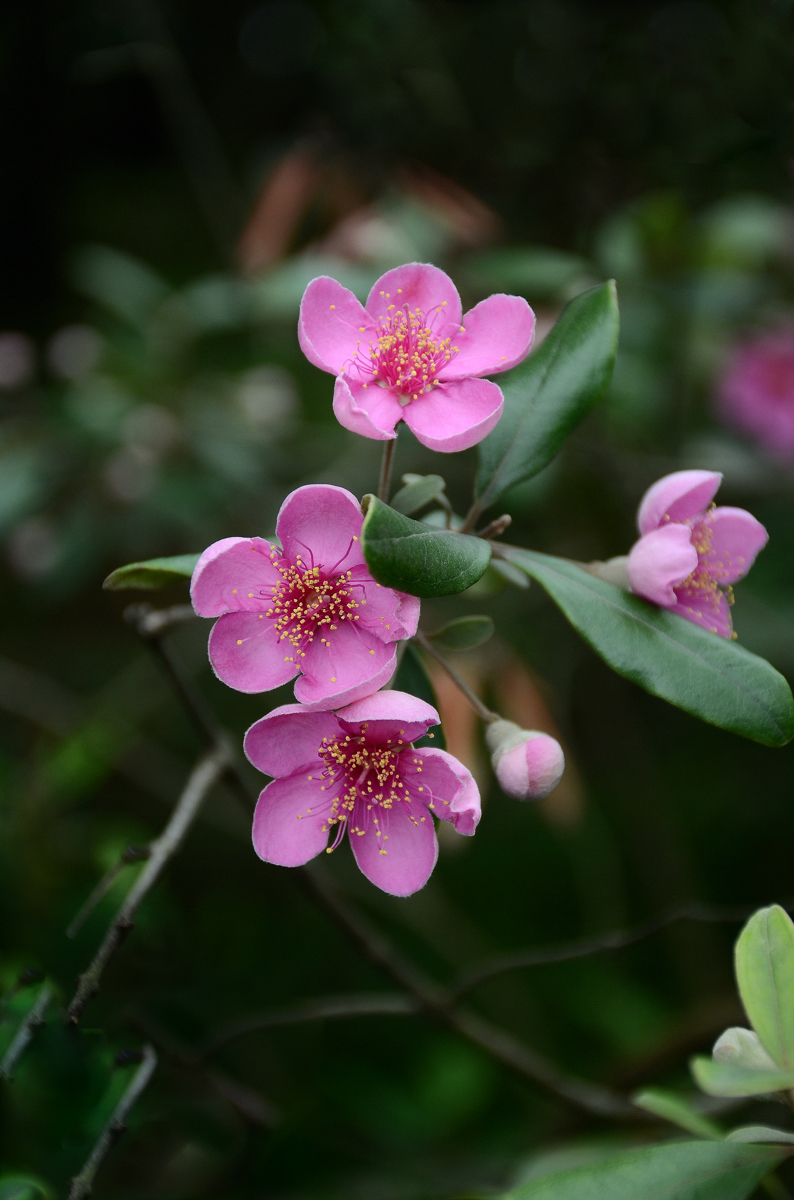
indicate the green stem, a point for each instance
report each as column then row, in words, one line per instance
column 386, row 467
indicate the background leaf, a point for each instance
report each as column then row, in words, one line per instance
column 708, row 676
column 676, row 1109
column 464, row 633
column 727, row 1079
column 550, row 393
column 416, row 558
column 675, row 1171
column 764, row 958
column 154, row 573
column 418, row 491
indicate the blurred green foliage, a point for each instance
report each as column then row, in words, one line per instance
column 161, row 401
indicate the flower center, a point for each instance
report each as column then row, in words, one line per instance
column 406, row 355
column 306, row 605
column 363, row 774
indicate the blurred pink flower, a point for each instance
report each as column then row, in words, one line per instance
column 690, row 551
column 356, row 771
column 756, row 391
column 528, row 764
column 409, row 356
column 308, row 608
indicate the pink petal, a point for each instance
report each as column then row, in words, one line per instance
column 285, row 831
column 456, row 415
column 498, row 334
column 398, row 850
column 389, row 715
column 370, row 411
column 288, row 739
column 532, row 769
column 419, row 285
column 736, row 538
column 659, row 561
column 709, row 609
column 448, row 788
column 246, row 654
column 681, row 496
column 389, row 615
column 330, row 324
column 322, row 524
column 233, row 575
column 351, row 665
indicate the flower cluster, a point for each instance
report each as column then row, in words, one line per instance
column 303, row 605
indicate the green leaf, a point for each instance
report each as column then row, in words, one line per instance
column 154, row 573
column 464, row 633
column 22, row 1187
column 551, row 392
column 416, row 558
column 758, row 1134
column 673, row 1171
column 677, row 1109
column 709, row 676
column 764, row 957
column 728, row 1079
column 418, row 491
column 412, row 677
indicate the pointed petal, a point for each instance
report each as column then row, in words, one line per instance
column 659, row 561
column 246, row 654
column 322, row 524
column 389, row 715
column 454, row 794
column 497, row 334
column 419, row 285
column 368, row 410
column 681, row 496
column 288, row 739
column 398, row 850
column 455, row 416
column 736, row 538
column 330, row 324
column 288, row 821
column 348, row 665
column 234, row 575
column 708, row 608
column 389, row 615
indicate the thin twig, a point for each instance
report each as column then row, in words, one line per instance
column 155, row 621
column 82, row 1184
column 24, row 1035
column 474, row 700
column 204, row 775
column 386, row 466
column 472, row 516
column 131, row 855
column 323, row 1008
column 497, row 527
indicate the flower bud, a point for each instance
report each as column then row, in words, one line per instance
column 742, row 1048
column 527, row 763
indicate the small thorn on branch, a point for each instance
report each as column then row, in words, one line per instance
column 82, row 1184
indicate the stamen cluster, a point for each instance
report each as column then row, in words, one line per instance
column 406, row 356
column 363, row 771
column 307, row 604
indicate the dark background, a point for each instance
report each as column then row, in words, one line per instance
column 172, row 176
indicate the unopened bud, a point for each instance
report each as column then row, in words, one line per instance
column 742, row 1048
column 527, row 763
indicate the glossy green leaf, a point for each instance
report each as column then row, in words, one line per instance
column 550, row 393
column 677, row 1109
column 727, row 1079
column 464, row 633
column 764, row 957
column 709, row 676
column 760, row 1134
column 416, row 558
column 154, row 573
column 412, row 677
column 672, row 1171
column 418, row 491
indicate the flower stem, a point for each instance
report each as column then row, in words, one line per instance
column 474, row 700
column 386, row 466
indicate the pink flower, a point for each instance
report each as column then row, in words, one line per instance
column 528, row 764
column 408, row 355
column 355, row 771
column 308, row 608
column 756, row 392
column 691, row 552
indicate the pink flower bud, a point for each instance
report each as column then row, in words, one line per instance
column 527, row 763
